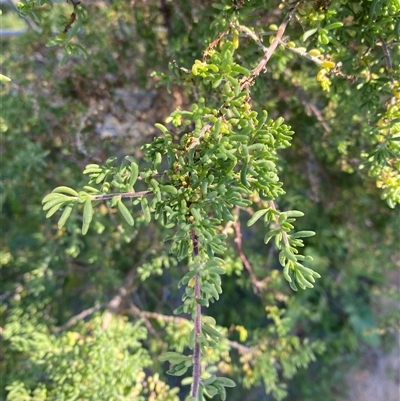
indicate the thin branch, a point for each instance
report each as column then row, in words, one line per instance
column 183, row 69
column 303, row 53
column 312, row 108
column 197, row 325
column 388, row 59
column 179, row 321
column 80, row 316
column 72, row 17
column 166, row 13
column 157, row 316
column 126, row 288
column 257, row 284
column 389, row 65
column 249, row 33
column 147, row 323
column 214, row 43
column 240, row 347
column 270, row 50
column 318, row 115
column 319, row 61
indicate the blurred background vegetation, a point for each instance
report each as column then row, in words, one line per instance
column 84, row 318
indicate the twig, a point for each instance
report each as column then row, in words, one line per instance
column 270, row 50
column 72, row 17
column 313, row 108
column 197, row 325
column 389, row 65
column 302, row 53
column 114, row 304
column 179, row 321
column 319, row 61
column 248, row 32
column 147, row 323
column 82, row 315
column 387, row 56
column 157, row 316
column 318, row 115
column 257, row 284
column 214, row 43
column 240, row 347
column 166, row 13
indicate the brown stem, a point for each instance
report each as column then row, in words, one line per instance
column 282, row 27
column 72, row 17
column 257, row 284
column 80, row 316
column 197, row 325
column 243, row 349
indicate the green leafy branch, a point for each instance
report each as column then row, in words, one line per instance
column 220, row 155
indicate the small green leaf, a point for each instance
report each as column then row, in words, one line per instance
column 294, row 213
column 53, row 210
column 210, row 390
column 308, row 33
column 241, row 70
column 100, row 177
column 87, row 215
column 4, row 78
column 163, row 129
column 146, row 209
column 221, row 7
column 224, row 381
column 64, row 59
column 59, row 200
column 302, row 234
column 286, row 274
column 173, row 357
column 270, row 234
column 334, row 25
column 178, row 370
column 65, row 215
column 125, row 212
column 169, row 189
column 209, row 320
column 65, row 190
column 134, row 175
column 256, row 216
column 243, row 173
column 293, row 286
column 91, row 189
column 215, row 334
column 302, row 282
column 289, row 255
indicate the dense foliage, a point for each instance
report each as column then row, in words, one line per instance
column 272, row 119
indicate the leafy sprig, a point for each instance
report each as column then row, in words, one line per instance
column 193, row 182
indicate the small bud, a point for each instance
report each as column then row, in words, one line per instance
column 328, row 64
column 314, row 52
